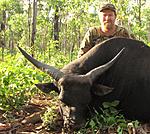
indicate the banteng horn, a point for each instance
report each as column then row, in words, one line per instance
column 96, row 72
column 52, row 71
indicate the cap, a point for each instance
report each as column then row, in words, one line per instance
column 108, row 6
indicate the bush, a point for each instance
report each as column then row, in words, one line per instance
column 17, row 80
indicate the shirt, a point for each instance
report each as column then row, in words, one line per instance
column 94, row 36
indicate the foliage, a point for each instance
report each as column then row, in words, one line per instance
column 17, row 79
column 110, row 118
column 75, row 17
column 52, row 114
column 49, row 117
column 12, row 6
column 17, row 82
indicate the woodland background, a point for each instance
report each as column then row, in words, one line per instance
column 46, row 25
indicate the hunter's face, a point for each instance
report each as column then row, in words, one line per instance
column 107, row 18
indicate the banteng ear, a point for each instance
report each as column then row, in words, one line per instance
column 101, row 90
column 47, row 87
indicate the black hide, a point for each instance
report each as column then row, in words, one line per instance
column 129, row 78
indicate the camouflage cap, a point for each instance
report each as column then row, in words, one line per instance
column 107, row 7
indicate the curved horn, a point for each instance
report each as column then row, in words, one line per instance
column 94, row 73
column 52, row 71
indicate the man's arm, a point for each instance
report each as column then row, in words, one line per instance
column 87, row 42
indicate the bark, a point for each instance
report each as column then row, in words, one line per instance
column 148, row 34
column 33, row 26
column 140, row 15
column 56, row 25
column 29, row 23
column 3, row 28
column 11, row 41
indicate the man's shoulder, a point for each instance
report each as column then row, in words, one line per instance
column 122, row 31
column 120, row 28
column 94, row 28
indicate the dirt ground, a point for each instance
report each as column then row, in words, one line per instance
column 28, row 120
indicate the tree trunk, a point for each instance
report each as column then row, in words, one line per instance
column 148, row 34
column 139, row 16
column 11, row 41
column 29, row 23
column 33, row 26
column 3, row 28
column 56, row 25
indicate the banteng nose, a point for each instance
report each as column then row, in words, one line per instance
column 72, row 118
column 63, row 100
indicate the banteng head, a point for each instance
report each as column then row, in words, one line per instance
column 75, row 90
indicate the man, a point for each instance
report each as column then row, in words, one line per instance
column 108, row 29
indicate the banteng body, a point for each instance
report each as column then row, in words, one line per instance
column 87, row 82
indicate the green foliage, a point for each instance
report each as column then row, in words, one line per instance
column 17, row 81
column 52, row 54
column 109, row 118
column 18, row 76
column 51, row 115
column 12, row 6
column 17, row 28
column 74, row 20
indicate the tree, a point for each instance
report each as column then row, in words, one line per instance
column 33, row 25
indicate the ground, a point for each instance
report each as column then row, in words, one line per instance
column 28, row 120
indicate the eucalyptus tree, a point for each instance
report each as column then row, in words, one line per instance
column 60, row 24
column 34, row 20
column 68, row 21
column 7, row 9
